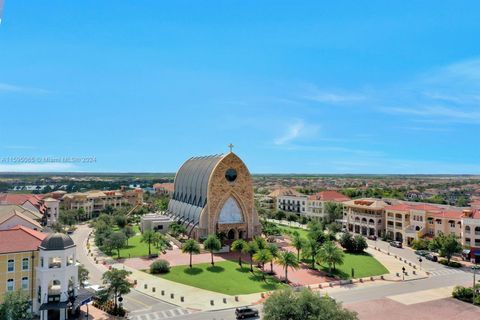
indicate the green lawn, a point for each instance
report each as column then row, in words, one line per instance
column 135, row 248
column 364, row 264
column 225, row 277
column 286, row 230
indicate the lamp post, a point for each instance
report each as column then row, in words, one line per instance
column 403, row 273
column 420, row 260
column 474, row 268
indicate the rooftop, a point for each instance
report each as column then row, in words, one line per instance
column 20, row 239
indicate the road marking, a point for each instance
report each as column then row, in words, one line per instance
column 162, row 314
column 138, row 301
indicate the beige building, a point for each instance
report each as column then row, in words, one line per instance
column 316, row 203
column 290, row 200
column 365, row 216
column 214, row 194
column 94, row 202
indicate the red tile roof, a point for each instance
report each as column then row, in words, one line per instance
column 330, row 195
column 20, row 199
column 399, row 207
column 20, row 239
column 165, row 186
column 449, row 214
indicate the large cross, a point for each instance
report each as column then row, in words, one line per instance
column 230, row 146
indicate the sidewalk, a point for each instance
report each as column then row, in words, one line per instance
column 195, row 299
column 394, row 264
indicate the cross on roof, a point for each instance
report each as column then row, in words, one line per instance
column 230, row 146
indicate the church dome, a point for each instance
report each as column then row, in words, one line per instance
column 57, row 241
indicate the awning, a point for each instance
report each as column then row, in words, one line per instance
column 84, row 296
column 466, row 251
column 54, row 306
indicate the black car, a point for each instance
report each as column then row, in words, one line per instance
column 246, row 312
column 372, row 237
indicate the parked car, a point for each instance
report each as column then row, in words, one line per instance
column 396, row 244
column 246, row 312
column 372, row 237
column 431, row 257
column 421, row 253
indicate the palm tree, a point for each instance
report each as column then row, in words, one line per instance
column 160, row 242
column 263, row 256
column 191, row 247
column 330, row 254
column 148, row 237
column 251, row 249
column 274, row 251
column 212, row 244
column 261, row 243
column 311, row 249
column 239, row 246
column 298, row 243
column 287, row 259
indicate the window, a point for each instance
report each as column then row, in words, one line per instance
column 10, row 284
column 25, row 264
column 467, row 240
column 25, row 283
column 452, row 224
column 41, row 262
column 11, row 265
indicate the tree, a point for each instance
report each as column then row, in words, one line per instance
column 239, row 246
column 82, row 275
column 68, row 217
column 121, row 220
column 263, row 256
column 251, row 249
column 447, row 246
column 212, row 244
column 160, row 242
column 261, row 243
column 331, row 255
column 298, row 243
column 420, row 244
column 16, row 305
column 118, row 240
column 305, row 305
column 360, row 243
column 129, row 232
column 311, row 249
column 176, row 229
column 148, row 237
column 287, row 259
column 274, row 251
column 191, row 247
column 117, row 283
column 280, row 215
column 334, row 211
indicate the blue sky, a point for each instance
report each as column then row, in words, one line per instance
column 296, row 86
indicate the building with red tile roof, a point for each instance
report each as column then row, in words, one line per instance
column 164, row 188
column 316, row 203
column 20, row 239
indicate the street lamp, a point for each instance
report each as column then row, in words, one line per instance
column 474, row 268
column 420, row 260
column 403, row 273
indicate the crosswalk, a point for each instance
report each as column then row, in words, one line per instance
column 444, row 272
column 160, row 314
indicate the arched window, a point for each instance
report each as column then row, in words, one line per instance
column 11, row 265
column 25, row 264
column 467, row 229
column 231, row 212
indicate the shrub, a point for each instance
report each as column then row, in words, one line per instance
column 452, row 264
column 420, row 244
column 462, row 293
column 351, row 243
column 160, row 266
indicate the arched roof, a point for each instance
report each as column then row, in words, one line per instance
column 191, row 181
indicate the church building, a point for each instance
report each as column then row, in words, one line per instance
column 214, row 194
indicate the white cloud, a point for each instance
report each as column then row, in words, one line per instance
column 296, row 130
column 36, row 167
column 313, row 93
column 5, row 87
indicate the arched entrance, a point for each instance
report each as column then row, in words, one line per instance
column 241, row 234
column 231, row 234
